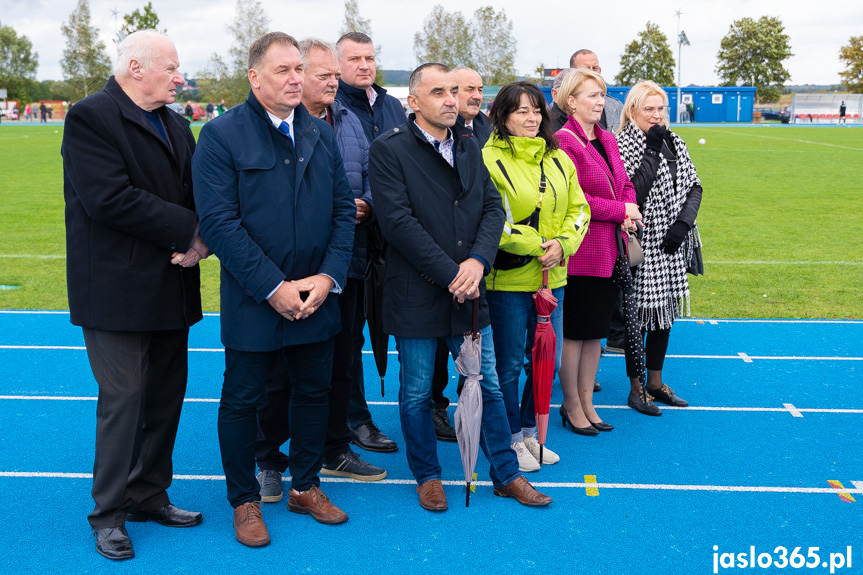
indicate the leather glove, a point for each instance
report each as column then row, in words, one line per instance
column 655, row 136
column 674, row 236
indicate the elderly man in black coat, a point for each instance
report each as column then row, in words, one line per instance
column 442, row 218
column 132, row 249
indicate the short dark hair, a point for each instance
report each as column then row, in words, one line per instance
column 508, row 101
column 260, row 46
column 357, row 37
column 582, row 52
column 417, row 75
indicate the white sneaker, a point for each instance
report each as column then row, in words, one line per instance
column 548, row 456
column 526, row 461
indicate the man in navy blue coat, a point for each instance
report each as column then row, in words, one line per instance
column 277, row 209
column 378, row 112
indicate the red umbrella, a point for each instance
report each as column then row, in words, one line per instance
column 542, row 372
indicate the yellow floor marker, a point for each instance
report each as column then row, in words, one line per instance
column 846, row 497
column 591, row 491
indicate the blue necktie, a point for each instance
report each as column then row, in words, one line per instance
column 286, row 130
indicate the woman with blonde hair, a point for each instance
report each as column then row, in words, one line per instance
column 591, row 294
column 668, row 191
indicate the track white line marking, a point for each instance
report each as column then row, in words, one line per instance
column 453, row 404
column 745, row 357
column 792, row 410
column 459, row 483
column 857, row 484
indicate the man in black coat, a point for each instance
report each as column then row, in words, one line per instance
column 132, row 249
column 469, row 103
column 442, row 218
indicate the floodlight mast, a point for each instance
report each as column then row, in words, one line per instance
column 682, row 40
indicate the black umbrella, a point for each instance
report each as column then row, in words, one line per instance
column 634, row 339
column 374, row 295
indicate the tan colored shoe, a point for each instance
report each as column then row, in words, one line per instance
column 432, row 496
column 313, row 502
column 523, row 491
column 249, row 525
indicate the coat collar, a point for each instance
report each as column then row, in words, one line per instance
column 605, row 138
column 175, row 125
column 359, row 95
column 523, row 148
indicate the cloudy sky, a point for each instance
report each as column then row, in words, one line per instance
column 546, row 32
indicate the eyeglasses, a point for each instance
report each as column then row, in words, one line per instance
column 649, row 110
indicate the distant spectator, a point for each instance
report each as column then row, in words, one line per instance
column 842, row 113
column 188, row 111
column 50, row 112
column 27, row 112
column 222, row 108
column 43, row 110
column 211, row 111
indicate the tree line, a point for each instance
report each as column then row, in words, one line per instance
column 752, row 53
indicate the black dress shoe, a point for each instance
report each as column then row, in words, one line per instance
column 602, row 426
column 113, row 543
column 666, row 395
column 442, row 429
column 589, row 430
column 167, row 515
column 596, row 386
column 639, row 404
column 370, row 438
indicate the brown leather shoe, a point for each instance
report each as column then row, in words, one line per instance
column 432, row 496
column 522, row 490
column 316, row 504
column 249, row 525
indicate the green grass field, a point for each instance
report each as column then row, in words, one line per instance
column 778, row 221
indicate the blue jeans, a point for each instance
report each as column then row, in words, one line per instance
column 513, row 322
column 416, row 359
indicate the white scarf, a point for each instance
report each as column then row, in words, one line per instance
column 661, row 287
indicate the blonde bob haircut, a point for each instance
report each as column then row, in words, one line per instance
column 635, row 102
column 573, row 83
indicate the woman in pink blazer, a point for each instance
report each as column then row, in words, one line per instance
column 590, row 294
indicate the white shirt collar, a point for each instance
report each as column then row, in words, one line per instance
column 372, row 94
column 277, row 121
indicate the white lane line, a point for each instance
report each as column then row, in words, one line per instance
column 459, row 483
column 857, row 484
column 781, row 263
column 745, row 357
column 790, row 140
column 785, row 409
column 792, row 410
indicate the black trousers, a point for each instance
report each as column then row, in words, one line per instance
column 308, row 367
column 142, row 383
column 655, row 349
column 347, row 374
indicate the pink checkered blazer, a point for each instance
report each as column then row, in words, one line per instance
column 606, row 191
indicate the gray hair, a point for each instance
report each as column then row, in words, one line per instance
column 417, row 75
column 558, row 80
column 310, row 44
column 260, row 46
column 141, row 46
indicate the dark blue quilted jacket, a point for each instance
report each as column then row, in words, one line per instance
column 354, row 148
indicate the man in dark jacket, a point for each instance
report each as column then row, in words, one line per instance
column 470, row 117
column 442, row 218
column 469, row 103
column 134, row 286
column 277, row 209
column 378, row 112
column 319, row 90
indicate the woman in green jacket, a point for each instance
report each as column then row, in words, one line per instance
column 546, row 220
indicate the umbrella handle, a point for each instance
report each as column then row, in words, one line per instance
column 467, row 494
column 545, row 278
column 475, row 317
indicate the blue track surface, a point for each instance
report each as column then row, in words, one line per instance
column 777, row 412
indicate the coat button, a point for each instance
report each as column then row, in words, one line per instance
column 456, row 202
column 376, row 128
column 287, row 161
column 301, row 159
column 458, row 243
